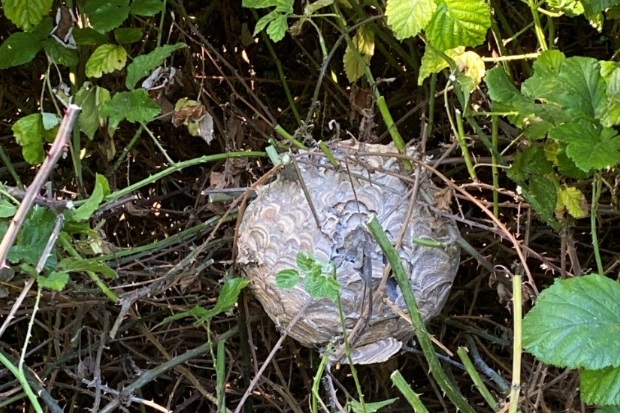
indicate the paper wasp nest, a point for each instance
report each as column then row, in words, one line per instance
column 279, row 224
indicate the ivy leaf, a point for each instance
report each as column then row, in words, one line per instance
column 134, row 106
column 591, row 146
column 106, row 59
column 600, row 386
column 106, row 15
column 18, row 49
column 459, row 23
column 574, row 201
column 575, row 323
column 408, row 17
column 26, row 14
column 144, row 64
column 146, row 7
column 55, row 281
column 28, row 132
column 287, row 279
column 364, row 42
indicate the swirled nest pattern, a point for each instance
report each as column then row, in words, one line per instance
column 279, row 224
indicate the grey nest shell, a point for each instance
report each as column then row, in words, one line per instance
column 279, row 223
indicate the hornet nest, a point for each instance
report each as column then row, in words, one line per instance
column 280, row 223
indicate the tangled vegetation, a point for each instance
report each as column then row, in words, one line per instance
column 118, row 219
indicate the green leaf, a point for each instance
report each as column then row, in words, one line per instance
column 433, row 62
column 7, row 209
column 80, row 265
column 408, row 17
column 596, row 6
column 88, row 36
column 18, row 49
column 146, row 7
column 88, row 208
column 306, row 261
column 106, row 15
column 322, row 286
column 367, row 407
column 575, row 324
column 541, row 193
column 574, row 201
column 26, row 14
column 43, row 29
column 364, row 42
column 55, row 281
column 90, row 98
column 229, row 294
column 144, row 64
column 33, row 238
column 287, row 279
column 60, row 54
column 29, row 134
column 106, row 59
column 590, row 146
column 127, row 35
column 459, row 23
column 277, row 28
column 134, row 106
column 500, row 87
column 600, row 387
column 281, row 5
column 265, row 21
column 583, row 87
column 531, row 161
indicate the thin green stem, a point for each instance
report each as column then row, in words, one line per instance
column 404, row 387
column 460, row 136
column 421, row 333
column 475, row 376
column 596, row 194
column 540, row 35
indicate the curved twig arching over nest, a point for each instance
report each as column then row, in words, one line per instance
column 280, row 223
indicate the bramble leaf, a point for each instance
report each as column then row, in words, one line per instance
column 408, row 17
column 364, row 41
column 459, row 23
column 55, row 281
column 29, row 134
column 26, row 14
column 106, row 15
column 574, row 201
column 134, row 106
column 277, row 28
column 575, row 323
column 601, row 386
column 591, row 146
column 106, row 59
column 287, row 279
column 144, row 64
column 18, row 49
column 146, row 7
